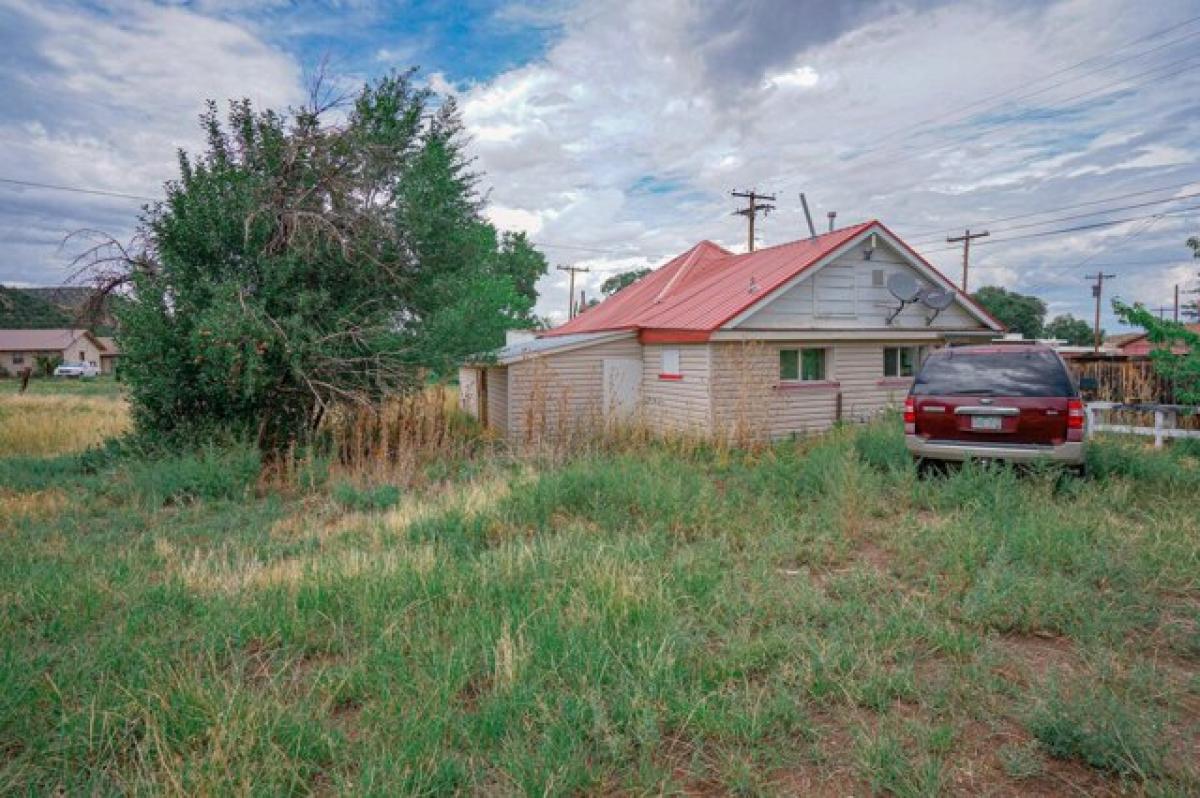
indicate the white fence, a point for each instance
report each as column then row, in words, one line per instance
column 1166, row 420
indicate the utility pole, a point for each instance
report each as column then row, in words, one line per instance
column 1175, row 317
column 966, row 238
column 1097, row 292
column 758, row 203
column 571, row 290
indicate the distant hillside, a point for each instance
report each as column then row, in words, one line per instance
column 20, row 310
column 72, row 301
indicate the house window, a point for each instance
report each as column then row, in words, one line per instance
column 801, row 365
column 901, row 361
column 670, row 363
column 18, row 358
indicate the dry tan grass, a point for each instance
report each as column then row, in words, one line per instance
column 17, row 507
column 50, row 425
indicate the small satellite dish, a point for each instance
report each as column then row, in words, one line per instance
column 937, row 299
column 903, row 286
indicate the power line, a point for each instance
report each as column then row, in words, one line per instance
column 918, row 241
column 74, row 189
column 1076, row 228
column 755, row 205
column 140, row 197
column 1097, row 292
column 966, row 238
column 571, row 291
column 1014, row 217
column 1056, row 73
column 994, row 127
column 876, row 144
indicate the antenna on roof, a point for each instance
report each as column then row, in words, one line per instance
column 812, row 231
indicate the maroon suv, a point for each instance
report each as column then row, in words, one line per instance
column 1013, row 402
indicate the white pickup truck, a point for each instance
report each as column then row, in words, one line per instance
column 82, row 370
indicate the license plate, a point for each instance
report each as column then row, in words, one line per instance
column 986, row 423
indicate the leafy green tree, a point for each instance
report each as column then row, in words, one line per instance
column 1182, row 370
column 1075, row 332
column 618, row 281
column 1018, row 312
column 1191, row 309
column 293, row 265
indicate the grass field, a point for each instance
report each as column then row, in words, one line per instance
column 57, row 416
column 806, row 620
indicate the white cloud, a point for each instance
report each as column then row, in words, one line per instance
column 632, row 135
column 802, row 77
column 628, row 133
column 115, row 96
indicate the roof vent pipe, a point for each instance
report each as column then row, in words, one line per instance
column 832, row 216
column 812, row 231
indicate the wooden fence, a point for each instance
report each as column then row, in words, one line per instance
column 1124, row 380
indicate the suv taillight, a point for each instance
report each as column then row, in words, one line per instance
column 910, row 411
column 1074, row 414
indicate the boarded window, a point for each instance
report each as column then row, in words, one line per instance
column 670, row 362
column 803, row 365
column 901, row 361
column 877, row 278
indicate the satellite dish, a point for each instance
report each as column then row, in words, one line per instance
column 903, row 286
column 937, row 299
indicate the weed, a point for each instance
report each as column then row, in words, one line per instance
column 363, row 499
column 1106, row 728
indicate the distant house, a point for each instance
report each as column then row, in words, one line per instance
column 21, row 348
column 111, row 354
column 1138, row 344
column 788, row 339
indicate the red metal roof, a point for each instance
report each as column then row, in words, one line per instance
column 699, row 291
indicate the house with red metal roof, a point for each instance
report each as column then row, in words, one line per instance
column 784, row 340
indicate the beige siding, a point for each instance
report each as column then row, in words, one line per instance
column 848, row 294
column 556, row 394
column 497, row 398
column 91, row 354
column 750, row 403
column 468, row 390
column 865, row 391
column 681, row 405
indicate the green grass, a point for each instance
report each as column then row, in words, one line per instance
column 105, row 386
column 637, row 620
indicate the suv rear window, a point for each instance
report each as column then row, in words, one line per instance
column 1029, row 373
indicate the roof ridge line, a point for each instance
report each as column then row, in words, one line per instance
column 693, row 255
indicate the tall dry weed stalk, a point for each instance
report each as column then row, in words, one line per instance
column 391, row 440
column 748, row 425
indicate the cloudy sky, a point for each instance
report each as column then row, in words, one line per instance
column 613, row 132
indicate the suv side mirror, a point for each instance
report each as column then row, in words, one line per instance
column 1088, row 384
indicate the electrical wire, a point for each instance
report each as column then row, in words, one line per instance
column 1028, row 225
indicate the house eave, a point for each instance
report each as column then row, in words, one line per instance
column 857, row 334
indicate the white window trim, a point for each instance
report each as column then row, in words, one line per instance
column 916, row 355
column 669, row 365
column 827, row 378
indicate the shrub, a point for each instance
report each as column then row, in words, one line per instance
column 1106, row 730
column 211, row 473
column 881, row 445
column 374, row 497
